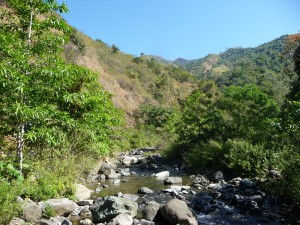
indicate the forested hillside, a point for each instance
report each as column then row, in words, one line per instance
column 263, row 66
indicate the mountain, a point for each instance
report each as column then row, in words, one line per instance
column 262, row 65
column 132, row 81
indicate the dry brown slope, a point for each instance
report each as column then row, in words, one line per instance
column 130, row 83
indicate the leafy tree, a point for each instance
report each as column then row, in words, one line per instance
column 114, row 48
column 46, row 102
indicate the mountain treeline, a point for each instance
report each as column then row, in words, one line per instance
column 264, row 66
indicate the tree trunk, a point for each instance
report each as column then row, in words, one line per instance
column 20, row 145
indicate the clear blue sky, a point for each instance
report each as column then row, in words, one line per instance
column 184, row 28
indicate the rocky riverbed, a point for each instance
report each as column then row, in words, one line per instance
column 151, row 190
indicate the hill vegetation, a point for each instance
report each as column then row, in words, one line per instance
column 263, row 66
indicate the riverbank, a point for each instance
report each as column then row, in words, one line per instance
column 140, row 189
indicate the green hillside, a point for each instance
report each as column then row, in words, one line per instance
column 262, row 65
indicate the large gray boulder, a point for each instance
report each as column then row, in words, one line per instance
column 111, row 174
column 145, row 190
column 150, row 211
column 106, row 166
column 82, row 192
column 122, row 219
column 177, row 212
column 128, row 160
column 163, row 174
column 62, row 207
column 106, row 208
column 173, row 180
column 32, row 212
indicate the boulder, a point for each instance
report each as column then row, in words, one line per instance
column 63, row 206
column 106, row 166
column 106, row 208
column 85, row 202
column 150, row 211
column 86, row 222
column 218, row 176
column 111, row 174
column 82, row 192
column 16, row 221
column 85, row 213
column 180, row 188
column 131, row 197
column 162, row 174
column 145, row 190
column 177, row 212
column 61, row 220
column 123, row 219
column 117, row 181
column 143, row 222
column 32, row 212
column 124, row 172
column 274, row 174
column 173, row 180
column 46, row 222
column 214, row 186
column 128, row 160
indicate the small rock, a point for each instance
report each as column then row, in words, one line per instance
column 46, row 222
column 85, row 213
column 274, row 174
column 117, row 181
column 111, row 174
column 162, row 174
column 85, row 202
column 98, row 189
column 86, row 222
column 193, row 192
column 173, row 180
column 16, row 221
column 218, row 176
column 128, row 160
column 214, row 186
column 145, row 190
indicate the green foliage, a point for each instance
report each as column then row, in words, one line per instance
column 8, row 171
column 263, row 66
column 51, row 179
column 155, row 115
column 53, row 100
column 247, row 158
column 48, row 211
column 114, row 49
column 9, row 207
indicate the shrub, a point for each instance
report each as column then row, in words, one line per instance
column 245, row 157
column 9, row 207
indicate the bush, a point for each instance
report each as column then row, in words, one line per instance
column 52, row 179
column 9, row 207
column 205, row 155
column 247, row 158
